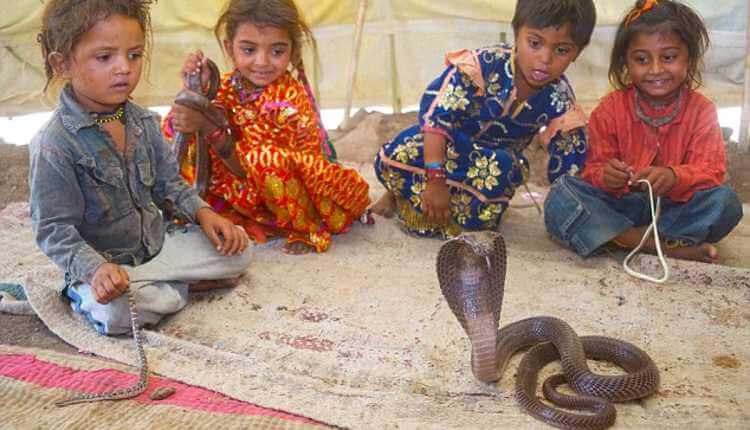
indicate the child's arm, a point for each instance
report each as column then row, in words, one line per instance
column 567, row 153
column 169, row 185
column 566, row 138
column 228, row 238
column 446, row 101
column 603, row 156
column 704, row 161
column 184, row 119
column 436, row 196
column 444, row 104
column 57, row 207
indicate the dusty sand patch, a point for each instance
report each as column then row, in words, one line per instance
column 14, row 171
column 360, row 336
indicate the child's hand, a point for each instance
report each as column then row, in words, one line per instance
column 194, row 64
column 662, row 179
column 186, row 120
column 110, row 282
column 436, row 201
column 616, row 174
column 233, row 240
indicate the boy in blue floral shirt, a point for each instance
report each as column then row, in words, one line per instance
column 459, row 167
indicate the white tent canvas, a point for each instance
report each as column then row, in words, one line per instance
column 402, row 50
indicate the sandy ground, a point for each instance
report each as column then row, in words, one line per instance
column 358, row 143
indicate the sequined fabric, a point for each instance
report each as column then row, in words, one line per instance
column 291, row 189
column 474, row 106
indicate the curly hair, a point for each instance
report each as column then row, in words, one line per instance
column 65, row 22
column 650, row 17
column 276, row 13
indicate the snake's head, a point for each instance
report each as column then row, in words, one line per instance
column 481, row 243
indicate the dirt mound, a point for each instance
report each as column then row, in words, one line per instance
column 738, row 173
column 14, row 172
column 360, row 138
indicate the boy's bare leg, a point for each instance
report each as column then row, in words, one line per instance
column 385, row 206
column 704, row 252
column 213, row 284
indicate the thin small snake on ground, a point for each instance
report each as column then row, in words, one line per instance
column 123, row 393
column 471, row 272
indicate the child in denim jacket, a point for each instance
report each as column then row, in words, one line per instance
column 100, row 172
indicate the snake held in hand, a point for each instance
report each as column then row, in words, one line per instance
column 471, row 271
column 194, row 97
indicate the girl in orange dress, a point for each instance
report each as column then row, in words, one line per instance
column 272, row 167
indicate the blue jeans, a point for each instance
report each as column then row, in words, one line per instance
column 583, row 217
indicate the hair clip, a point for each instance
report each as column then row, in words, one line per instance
column 639, row 12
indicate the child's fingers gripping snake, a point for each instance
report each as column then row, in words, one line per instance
column 123, row 393
column 195, row 98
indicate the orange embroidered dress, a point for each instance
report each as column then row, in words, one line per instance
column 291, row 189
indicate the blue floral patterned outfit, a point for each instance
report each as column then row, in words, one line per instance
column 473, row 105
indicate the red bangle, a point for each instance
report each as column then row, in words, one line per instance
column 221, row 140
column 216, row 135
column 436, row 174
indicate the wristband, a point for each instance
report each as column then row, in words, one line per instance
column 434, row 165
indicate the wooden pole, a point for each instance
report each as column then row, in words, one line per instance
column 354, row 64
column 395, row 84
column 316, row 77
column 745, row 121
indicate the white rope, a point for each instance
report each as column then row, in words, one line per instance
column 655, row 212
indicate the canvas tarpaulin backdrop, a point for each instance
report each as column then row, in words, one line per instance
column 402, row 48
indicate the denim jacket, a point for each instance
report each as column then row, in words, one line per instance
column 90, row 204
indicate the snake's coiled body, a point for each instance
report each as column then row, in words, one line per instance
column 472, row 276
column 124, row 393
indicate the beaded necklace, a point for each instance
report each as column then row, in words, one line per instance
column 660, row 121
column 238, row 82
column 104, row 118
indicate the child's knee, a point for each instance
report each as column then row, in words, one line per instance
column 162, row 298
column 169, row 303
column 561, row 207
column 242, row 262
column 730, row 207
column 731, row 204
column 111, row 319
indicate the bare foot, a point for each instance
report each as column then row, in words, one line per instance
column 213, row 284
column 297, row 248
column 385, row 206
column 366, row 218
column 704, row 252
